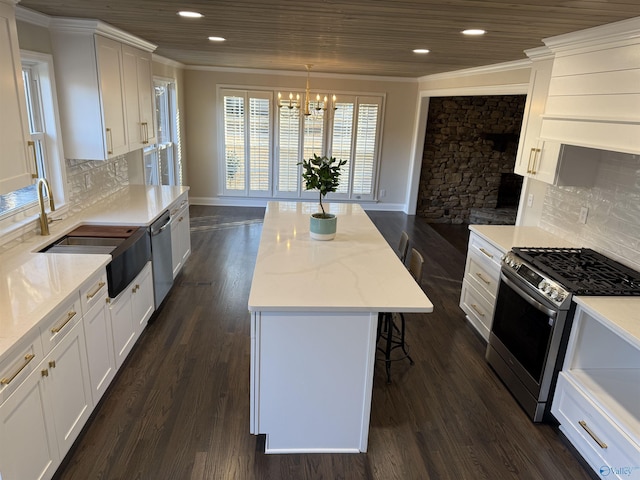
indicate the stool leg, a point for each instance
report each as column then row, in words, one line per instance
column 387, row 353
column 402, row 327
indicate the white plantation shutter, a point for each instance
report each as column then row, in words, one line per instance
column 260, row 144
column 289, row 151
column 313, row 132
column 342, row 140
column 234, row 138
column 366, row 148
column 247, row 142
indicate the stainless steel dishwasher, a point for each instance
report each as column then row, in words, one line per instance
column 160, row 232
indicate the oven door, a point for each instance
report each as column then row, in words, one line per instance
column 524, row 335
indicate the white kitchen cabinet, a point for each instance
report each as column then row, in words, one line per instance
column 98, row 336
column 138, row 82
column 598, row 392
column 92, row 88
column 180, row 235
column 17, row 160
column 480, row 282
column 51, row 401
column 530, row 160
column 130, row 312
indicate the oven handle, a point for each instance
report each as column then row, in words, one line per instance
column 539, row 306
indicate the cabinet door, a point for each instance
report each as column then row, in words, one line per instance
column 545, row 161
column 100, row 354
column 146, row 96
column 109, row 57
column 142, row 301
column 532, row 122
column 122, row 326
column 28, row 447
column 16, row 160
column 180, row 239
column 139, row 97
column 68, row 387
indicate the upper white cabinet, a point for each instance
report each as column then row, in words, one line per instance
column 138, row 82
column 594, row 90
column 16, row 159
column 104, row 89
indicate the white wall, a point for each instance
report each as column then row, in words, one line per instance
column 202, row 125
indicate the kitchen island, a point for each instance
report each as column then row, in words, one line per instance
column 314, row 310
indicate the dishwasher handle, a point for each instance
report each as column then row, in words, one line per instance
column 161, row 224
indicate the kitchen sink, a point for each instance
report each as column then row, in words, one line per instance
column 129, row 247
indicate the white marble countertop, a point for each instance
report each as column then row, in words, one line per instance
column 32, row 284
column 621, row 314
column 357, row 271
column 506, row 237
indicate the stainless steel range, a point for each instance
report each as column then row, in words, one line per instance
column 534, row 311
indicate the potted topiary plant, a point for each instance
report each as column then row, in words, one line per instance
column 322, row 174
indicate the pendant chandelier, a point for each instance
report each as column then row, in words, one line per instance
column 292, row 102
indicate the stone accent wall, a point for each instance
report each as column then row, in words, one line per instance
column 469, row 142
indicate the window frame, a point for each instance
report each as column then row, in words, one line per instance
column 327, row 144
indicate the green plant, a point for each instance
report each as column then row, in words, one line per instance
column 322, row 174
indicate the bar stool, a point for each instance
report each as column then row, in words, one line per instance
column 403, row 248
column 392, row 334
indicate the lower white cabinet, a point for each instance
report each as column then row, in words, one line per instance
column 180, row 235
column 130, row 312
column 480, row 283
column 43, row 416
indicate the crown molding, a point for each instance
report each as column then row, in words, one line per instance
column 468, row 72
column 615, row 32
column 31, row 16
column 166, row 61
column 90, row 26
column 297, row 73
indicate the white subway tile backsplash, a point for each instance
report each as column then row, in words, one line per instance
column 613, row 222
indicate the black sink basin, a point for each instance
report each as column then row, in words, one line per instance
column 129, row 253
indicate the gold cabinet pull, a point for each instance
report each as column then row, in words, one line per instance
column 529, row 162
column 145, row 132
column 44, row 372
column 479, row 275
column 27, row 359
column 486, row 253
column 57, row 328
column 32, row 145
column 52, row 364
column 109, row 142
column 586, row 428
column 93, row 293
column 535, row 160
column 478, row 311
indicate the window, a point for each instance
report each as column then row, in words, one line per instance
column 39, row 92
column 262, row 162
column 162, row 165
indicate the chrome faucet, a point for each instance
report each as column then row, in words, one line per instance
column 44, row 221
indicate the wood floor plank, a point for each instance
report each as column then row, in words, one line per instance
column 179, row 407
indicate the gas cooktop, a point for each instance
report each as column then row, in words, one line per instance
column 583, row 271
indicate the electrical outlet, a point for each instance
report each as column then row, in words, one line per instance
column 584, row 211
column 530, row 200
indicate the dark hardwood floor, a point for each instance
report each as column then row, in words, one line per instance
column 179, row 407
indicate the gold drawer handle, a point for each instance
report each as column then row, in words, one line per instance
column 478, row 311
column 57, row 328
column 600, row 443
column 529, row 162
column 109, row 141
column 93, row 294
column 486, row 253
column 27, row 358
column 488, row 282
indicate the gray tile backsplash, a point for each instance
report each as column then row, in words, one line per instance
column 613, row 221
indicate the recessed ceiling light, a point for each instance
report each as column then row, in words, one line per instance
column 420, row 50
column 217, row 39
column 188, row 14
column 474, row 31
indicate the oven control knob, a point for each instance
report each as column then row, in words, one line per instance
column 544, row 286
column 554, row 294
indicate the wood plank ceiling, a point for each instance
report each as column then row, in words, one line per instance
column 369, row 37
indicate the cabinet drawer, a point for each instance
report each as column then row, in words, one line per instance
column 486, row 280
column 485, row 250
column 59, row 322
column 20, row 361
column 477, row 308
column 93, row 291
column 602, row 444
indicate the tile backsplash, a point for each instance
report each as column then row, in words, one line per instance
column 613, row 203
